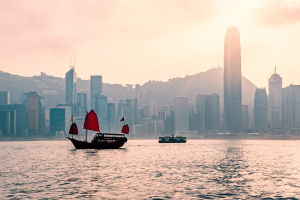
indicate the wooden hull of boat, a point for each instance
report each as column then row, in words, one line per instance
column 98, row 145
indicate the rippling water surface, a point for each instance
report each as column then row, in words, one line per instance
column 200, row 169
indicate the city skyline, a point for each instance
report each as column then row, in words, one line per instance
column 188, row 41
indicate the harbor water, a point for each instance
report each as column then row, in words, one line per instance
column 145, row 169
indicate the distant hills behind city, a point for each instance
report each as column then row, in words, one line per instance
column 208, row 82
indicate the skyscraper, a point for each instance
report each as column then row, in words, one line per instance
column 49, row 96
column 181, row 114
column 111, row 117
column 102, row 111
column 261, row 109
column 245, row 117
column 96, row 88
column 208, row 113
column 275, row 86
column 291, row 108
column 82, row 103
column 232, row 81
column 71, row 90
column 4, row 97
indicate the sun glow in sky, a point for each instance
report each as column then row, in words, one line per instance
column 134, row 41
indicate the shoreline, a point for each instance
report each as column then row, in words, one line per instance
column 270, row 137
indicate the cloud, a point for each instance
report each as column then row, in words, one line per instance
column 276, row 13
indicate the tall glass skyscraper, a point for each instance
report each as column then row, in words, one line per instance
column 71, row 90
column 181, row 117
column 261, row 109
column 96, row 88
column 275, row 86
column 232, row 81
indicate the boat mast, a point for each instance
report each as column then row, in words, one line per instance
column 86, row 120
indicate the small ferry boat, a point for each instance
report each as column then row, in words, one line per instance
column 100, row 140
column 172, row 139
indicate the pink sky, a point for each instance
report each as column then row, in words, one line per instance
column 139, row 40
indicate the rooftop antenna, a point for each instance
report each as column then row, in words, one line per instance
column 70, row 63
column 275, row 68
column 74, row 63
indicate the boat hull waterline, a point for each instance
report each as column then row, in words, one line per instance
column 78, row 144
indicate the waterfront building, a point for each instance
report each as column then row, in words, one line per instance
column 245, row 117
column 128, row 112
column 111, row 117
column 13, row 120
column 137, row 130
column 14, row 95
column 102, row 112
column 136, row 111
column 33, row 114
column 4, row 97
column 232, row 81
column 64, row 118
column 291, row 108
column 275, row 114
column 193, row 122
column 96, row 88
column 261, row 110
column 169, row 124
column 82, row 103
column 208, row 113
column 181, row 115
column 49, row 96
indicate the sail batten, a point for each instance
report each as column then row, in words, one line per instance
column 73, row 129
column 91, row 121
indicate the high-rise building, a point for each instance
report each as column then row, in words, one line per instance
column 245, row 117
column 4, row 97
column 181, row 117
column 136, row 112
column 261, row 110
column 291, row 107
column 102, row 112
column 128, row 112
column 208, row 113
column 275, row 114
column 13, row 120
column 96, row 88
column 148, row 97
column 57, row 120
column 193, row 122
column 82, row 103
column 14, row 95
column 169, row 124
column 67, row 117
column 33, row 114
column 158, row 98
column 232, row 81
column 71, row 90
column 111, row 117
column 200, row 103
column 49, row 96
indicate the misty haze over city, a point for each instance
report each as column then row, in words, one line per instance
column 150, row 99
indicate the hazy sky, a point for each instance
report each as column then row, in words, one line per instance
column 140, row 40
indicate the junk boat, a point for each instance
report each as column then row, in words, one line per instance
column 100, row 140
column 172, row 139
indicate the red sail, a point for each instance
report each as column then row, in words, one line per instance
column 73, row 129
column 125, row 129
column 91, row 121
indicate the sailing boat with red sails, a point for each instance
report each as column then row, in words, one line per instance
column 100, row 140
